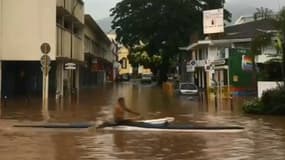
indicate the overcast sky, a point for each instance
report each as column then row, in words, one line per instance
column 100, row 9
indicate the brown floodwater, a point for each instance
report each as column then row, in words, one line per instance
column 262, row 139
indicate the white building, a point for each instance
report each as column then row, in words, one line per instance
column 24, row 26
column 210, row 55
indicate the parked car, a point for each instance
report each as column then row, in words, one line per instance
column 186, row 88
column 146, row 78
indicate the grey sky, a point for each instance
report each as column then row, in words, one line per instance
column 100, row 8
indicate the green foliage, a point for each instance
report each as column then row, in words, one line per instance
column 253, row 107
column 272, row 102
column 142, row 58
column 260, row 41
column 162, row 26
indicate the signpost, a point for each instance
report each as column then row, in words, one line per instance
column 213, row 21
column 70, row 66
column 45, row 62
column 190, row 66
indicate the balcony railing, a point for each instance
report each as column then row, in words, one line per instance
column 63, row 45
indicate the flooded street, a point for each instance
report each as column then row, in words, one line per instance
column 262, row 139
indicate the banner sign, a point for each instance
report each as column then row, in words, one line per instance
column 213, row 21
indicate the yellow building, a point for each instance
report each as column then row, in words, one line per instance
column 125, row 67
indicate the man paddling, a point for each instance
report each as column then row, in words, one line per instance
column 119, row 112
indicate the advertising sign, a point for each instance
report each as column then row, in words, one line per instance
column 213, row 21
column 247, row 63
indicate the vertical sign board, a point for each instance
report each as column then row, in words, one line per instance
column 241, row 73
column 213, row 21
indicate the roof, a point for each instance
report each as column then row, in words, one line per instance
column 218, row 42
column 238, row 33
column 249, row 30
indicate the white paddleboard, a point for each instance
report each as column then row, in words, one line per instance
column 134, row 128
column 159, row 120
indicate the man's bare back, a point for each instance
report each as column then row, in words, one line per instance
column 120, row 109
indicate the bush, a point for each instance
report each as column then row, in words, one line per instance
column 253, row 106
column 271, row 102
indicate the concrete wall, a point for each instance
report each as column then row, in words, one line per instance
column 212, row 53
column 25, row 24
column 1, row 32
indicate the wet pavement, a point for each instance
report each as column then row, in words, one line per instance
column 263, row 137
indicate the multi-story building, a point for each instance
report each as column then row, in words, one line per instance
column 99, row 56
column 70, row 47
column 215, row 62
column 24, row 26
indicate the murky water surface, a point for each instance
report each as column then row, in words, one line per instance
column 263, row 138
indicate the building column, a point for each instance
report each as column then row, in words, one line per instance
column 228, row 79
column 77, row 82
column 59, row 80
column 0, row 81
column 203, row 79
column 199, row 79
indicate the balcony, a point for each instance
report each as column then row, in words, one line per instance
column 64, row 8
column 64, row 48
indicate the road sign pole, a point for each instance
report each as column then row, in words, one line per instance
column 45, row 62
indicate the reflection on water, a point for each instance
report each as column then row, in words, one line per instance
column 264, row 137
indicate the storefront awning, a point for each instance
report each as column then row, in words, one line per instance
column 206, row 43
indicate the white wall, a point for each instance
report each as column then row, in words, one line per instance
column 1, row 22
column 264, row 86
column 25, row 24
column 212, row 53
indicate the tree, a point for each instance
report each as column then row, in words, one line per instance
column 263, row 13
column 280, row 45
column 161, row 25
column 257, row 43
column 142, row 58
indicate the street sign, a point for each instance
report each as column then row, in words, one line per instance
column 70, row 66
column 192, row 62
column 208, row 68
column 45, row 60
column 45, row 48
column 45, row 70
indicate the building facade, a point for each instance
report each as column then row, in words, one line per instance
column 69, row 44
column 25, row 25
column 99, row 56
column 220, row 62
